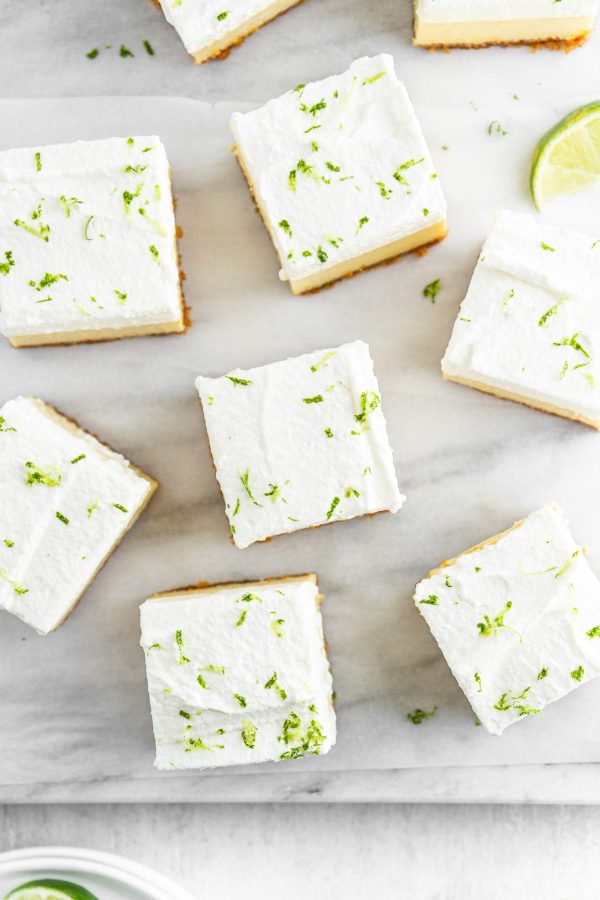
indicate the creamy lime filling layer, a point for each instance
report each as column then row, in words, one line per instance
column 87, row 237
column 238, row 674
column 530, row 323
column 433, row 11
column 299, row 443
column 65, row 500
column 339, row 167
column 518, row 621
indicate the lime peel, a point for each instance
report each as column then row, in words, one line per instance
column 567, row 158
column 50, row 889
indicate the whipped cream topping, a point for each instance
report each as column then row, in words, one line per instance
column 502, row 10
column 238, row 674
column 65, row 500
column 517, row 621
column 201, row 23
column 530, row 323
column 87, row 237
column 340, row 167
column 299, row 443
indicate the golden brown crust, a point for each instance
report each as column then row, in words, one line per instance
column 554, row 410
column 185, row 309
column 421, row 250
column 207, row 587
column 556, row 44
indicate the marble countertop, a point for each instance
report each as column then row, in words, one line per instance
column 383, row 850
column 465, row 460
column 46, row 42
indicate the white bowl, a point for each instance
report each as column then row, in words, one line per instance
column 108, row 876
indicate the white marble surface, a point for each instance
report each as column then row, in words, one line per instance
column 46, row 41
column 338, row 851
column 469, row 463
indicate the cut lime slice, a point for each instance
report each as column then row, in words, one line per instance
column 567, row 158
column 50, row 889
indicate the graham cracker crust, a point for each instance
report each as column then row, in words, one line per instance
column 433, row 234
column 555, row 44
column 421, row 250
column 206, row 586
column 73, row 426
column 525, row 401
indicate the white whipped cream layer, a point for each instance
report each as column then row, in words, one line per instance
column 299, row 443
column 87, row 237
column 517, row 621
column 65, row 500
column 201, row 23
column 238, row 674
column 432, row 11
column 530, row 323
column 340, row 167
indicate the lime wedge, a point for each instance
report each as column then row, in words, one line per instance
column 567, row 158
column 50, row 889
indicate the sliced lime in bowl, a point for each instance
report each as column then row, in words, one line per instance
column 50, row 889
column 567, row 158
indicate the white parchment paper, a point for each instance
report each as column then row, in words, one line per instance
column 73, row 706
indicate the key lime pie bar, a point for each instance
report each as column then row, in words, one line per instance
column 517, row 618
column 341, row 174
column 479, row 23
column 87, row 243
column 209, row 28
column 529, row 327
column 238, row 673
column 300, row 443
column 66, row 500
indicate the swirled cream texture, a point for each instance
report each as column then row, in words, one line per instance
column 87, row 238
column 300, row 443
column 434, row 11
column 65, row 502
column 238, row 674
column 339, row 167
column 518, row 620
column 530, row 323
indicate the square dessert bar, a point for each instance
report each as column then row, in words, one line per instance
column 517, row 618
column 464, row 23
column 300, row 443
column 87, row 243
column 341, row 174
column 238, row 673
column 529, row 327
column 66, row 500
column 208, row 28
